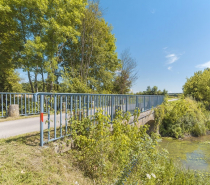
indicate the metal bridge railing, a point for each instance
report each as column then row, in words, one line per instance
column 56, row 109
column 61, row 107
column 26, row 103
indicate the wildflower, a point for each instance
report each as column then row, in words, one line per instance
column 76, row 183
column 153, row 175
column 22, row 171
column 148, row 176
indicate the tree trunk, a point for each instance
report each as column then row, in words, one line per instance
column 29, row 78
column 43, row 84
column 35, row 83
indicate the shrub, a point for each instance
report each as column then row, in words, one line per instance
column 181, row 117
column 120, row 153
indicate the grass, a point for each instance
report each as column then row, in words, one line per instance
column 23, row 161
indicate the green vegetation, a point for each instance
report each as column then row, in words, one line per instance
column 184, row 116
column 127, row 154
column 23, row 161
column 198, row 86
column 153, row 91
column 63, row 46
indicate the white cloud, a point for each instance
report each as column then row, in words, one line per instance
column 172, row 58
column 205, row 65
column 169, row 68
column 165, row 48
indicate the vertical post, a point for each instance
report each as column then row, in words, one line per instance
column 76, row 107
column 55, row 110
column 21, row 104
column 61, row 115
column 71, row 105
column 25, row 104
column 126, row 103
column 48, row 105
column 66, row 114
column 91, row 105
column 29, row 104
column 2, row 104
column 112, row 107
column 80, row 108
column 32, row 103
column 137, row 102
column 87, row 105
column 41, row 119
column 6, row 105
column 84, row 106
column 149, row 102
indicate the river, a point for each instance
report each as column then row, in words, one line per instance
column 192, row 152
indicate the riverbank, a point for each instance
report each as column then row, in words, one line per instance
column 125, row 155
column 23, row 161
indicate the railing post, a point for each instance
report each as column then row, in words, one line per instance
column 126, row 103
column 112, row 107
column 41, row 119
column 2, row 104
column 137, row 102
column 149, row 102
column 55, row 113
column 48, row 105
column 61, row 115
column 66, row 99
column 88, row 105
column 25, row 104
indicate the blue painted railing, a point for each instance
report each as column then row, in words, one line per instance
column 61, row 107
column 56, row 109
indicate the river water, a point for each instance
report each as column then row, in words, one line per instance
column 192, row 153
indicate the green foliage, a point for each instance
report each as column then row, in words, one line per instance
column 198, row 86
column 92, row 60
column 10, row 81
column 184, row 116
column 120, row 153
column 122, row 83
column 153, row 91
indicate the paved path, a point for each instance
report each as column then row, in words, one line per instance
column 27, row 125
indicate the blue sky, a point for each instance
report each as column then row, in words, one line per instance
column 170, row 39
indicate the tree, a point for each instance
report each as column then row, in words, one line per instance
column 10, row 81
column 122, row 83
column 34, row 32
column 153, row 91
column 92, row 60
column 198, row 86
column 127, row 75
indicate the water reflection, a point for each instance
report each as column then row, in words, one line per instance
column 195, row 161
column 193, row 153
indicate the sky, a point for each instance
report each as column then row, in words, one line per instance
column 169, row 39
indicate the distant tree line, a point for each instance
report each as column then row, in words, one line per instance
column 153, row 91
column 63, row 46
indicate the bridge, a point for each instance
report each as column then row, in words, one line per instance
column 55, row 111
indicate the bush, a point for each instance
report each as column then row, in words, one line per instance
column 185, row 116
column 120, row 153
